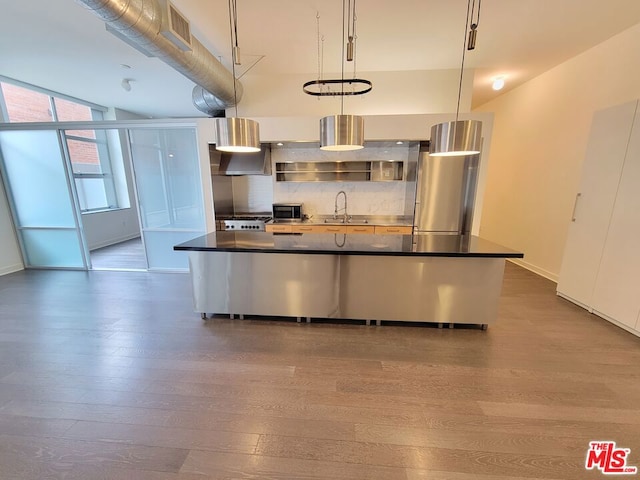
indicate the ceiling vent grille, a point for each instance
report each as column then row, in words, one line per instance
column 176, row 28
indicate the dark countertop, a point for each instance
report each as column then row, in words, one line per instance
column 343, row 244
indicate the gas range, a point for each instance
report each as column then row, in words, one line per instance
column 242, row 222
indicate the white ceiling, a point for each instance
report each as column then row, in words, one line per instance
column 60, row 45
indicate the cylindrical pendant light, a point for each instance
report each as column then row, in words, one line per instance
column 460, row 137
column 450, row 139
column 342, row 132
column 236, row 134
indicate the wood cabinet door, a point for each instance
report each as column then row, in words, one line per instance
column 617, row 289
column 331, row 229
column 278, row 228
column 399, row 230
column 361, row 229
column 303, row 228
column 601, row 171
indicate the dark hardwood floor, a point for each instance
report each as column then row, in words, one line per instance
column 111, row 375
column 127, row 255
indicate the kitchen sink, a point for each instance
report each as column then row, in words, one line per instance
column 357, row 221
column 349, row 220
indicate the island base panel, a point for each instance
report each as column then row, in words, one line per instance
column 359, row 287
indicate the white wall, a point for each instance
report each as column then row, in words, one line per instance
column 10, row 257
column 107, row 228
column 539, row 142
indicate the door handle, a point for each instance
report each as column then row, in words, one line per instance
column 575, row 206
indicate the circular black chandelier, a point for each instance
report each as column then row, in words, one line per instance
column 317, row 88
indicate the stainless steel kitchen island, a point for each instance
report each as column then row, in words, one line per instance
column 411, row 278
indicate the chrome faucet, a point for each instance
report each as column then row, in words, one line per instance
column 335, row 211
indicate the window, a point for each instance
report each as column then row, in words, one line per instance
column 88, row 150
column 91, row 167
column 26, row 103
column 23, row 105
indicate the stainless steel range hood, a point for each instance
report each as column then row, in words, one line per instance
column 227, row 163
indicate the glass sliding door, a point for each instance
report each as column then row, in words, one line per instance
column 169, row 191
column 40, row 193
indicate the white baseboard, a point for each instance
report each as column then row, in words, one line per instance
column 617, row 323
column 576, row 302
column 601, row 315
column 11, row 269
column 113, row 241
column 537, row 270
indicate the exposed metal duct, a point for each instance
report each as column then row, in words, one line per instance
column 141, row 23
column 207, row 102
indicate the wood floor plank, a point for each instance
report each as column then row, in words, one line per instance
column 585, row 413
column 92, row 472
column 87, row 472
column 163, row 436
column 222, row 402
column 485, row 441
column 510, row 391
column 384, row 454
column 153, row 380
column 9, row 392
column 214, row 420
column 463, row 422
column 398, row 404
column 128, row 254
column 241, row 389
column 233, row 467
column 413, row 474
column 53, row 455
column 38, row 378
column 411, row 370
column 83, row 411
column 28, row 426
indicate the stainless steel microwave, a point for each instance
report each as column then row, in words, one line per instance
column 288, row 212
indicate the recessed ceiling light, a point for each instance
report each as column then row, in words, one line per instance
column 125, row 66
column 399, row 143
column 279, row 144
column 498, row 83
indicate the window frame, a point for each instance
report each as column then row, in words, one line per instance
column 106, row 174
column 102, row 144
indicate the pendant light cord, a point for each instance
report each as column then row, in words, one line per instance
column 342, row 61
column 233, row 24
column 464, row 49
column 318, row 40
column 473, row 9
column 355, row 38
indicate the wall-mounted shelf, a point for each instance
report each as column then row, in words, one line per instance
column 358, row 171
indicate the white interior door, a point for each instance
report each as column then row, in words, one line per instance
column 617, row 290
column 601, row 172
column 169, row 192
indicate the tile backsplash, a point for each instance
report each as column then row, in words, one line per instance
column 364, row 198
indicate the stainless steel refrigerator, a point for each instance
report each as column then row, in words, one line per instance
column 445, row 194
